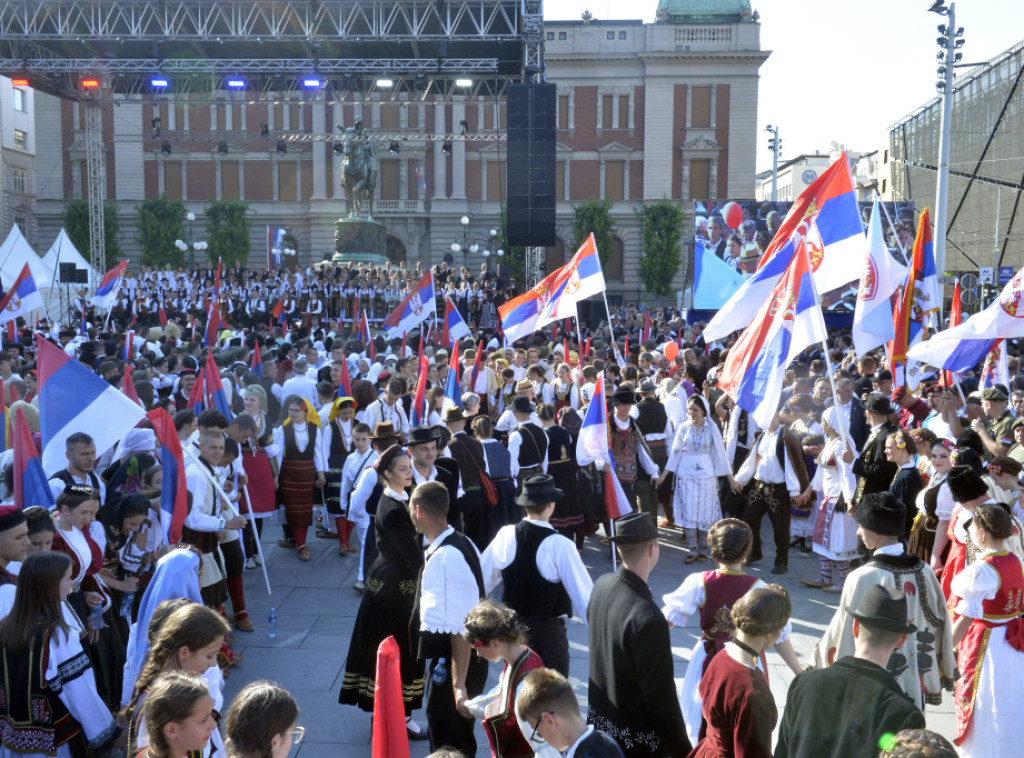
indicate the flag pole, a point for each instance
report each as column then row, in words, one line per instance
column 579, row 345
column 259, row 547
column 611, row 331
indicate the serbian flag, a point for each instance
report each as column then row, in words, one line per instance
column 213, row 321
column 963, row 347
column 30, row 485
column 21, row 299
column 520, row 315
column 173, row 494
column 257, row 360
column 592, row 447
column 197, row 396
column 420, row 413
column 110, row 285
column 452, row 389
column 476, row 365
column 996, row 371
column 454, row 328
column 74, row 399
column 129, row 342
column 918, row 298
column 786, row 324
column 128, row 387
column 162, row 315
column 956, row 317
column 827, row 217
column 344, row 379
column 647, row 328
column 577, row 280
column 880, row 278
column 415, row 308
column 214, row 388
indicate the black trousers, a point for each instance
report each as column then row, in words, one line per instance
column 446, row 727
column 473, row 506
column 549, row 640
column 772, row 499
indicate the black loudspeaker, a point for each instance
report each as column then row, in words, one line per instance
column 81, row 276
column 67, row 273
column 530, row 171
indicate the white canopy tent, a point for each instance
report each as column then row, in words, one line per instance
column 63, row 251
column 15, row 252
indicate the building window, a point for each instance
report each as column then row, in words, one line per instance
column 613, row 269
column 610, row 35
column 623, row 111
column 700, row 179
column 559, row 181
column 496, row 181
column 622, row 35
column 22, row 224
column 700, row 114
column 18, row 180
column 229, row 180
column 614, row 180
column 389, row 116
column 550, row 36
column 563, row 111
column 388, row 180
column 20, row 100
column 172, row 180
column 21, row 139
column 607, row 107
column 561, row 35
column 287, row 181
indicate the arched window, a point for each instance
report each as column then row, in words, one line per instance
column 395, row 250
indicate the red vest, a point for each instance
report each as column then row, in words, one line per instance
column 503, row 732
column 721, row 591
column 1009, row 600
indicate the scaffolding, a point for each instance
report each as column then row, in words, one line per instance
column 985, row 224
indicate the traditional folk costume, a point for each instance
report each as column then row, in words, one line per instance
column 697, row 459
column 654, row 423
column 835, row 531
column 568, row 516
column 712, row 594
column 337, row 446
column 630, row 453
column 386, row 608
column 989, row 710
column 934, row 504
column 506, row 734
column 300, row 456
column 202, row 529
column 925, row 665
column 50, row 703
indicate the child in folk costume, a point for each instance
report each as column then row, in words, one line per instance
column 835, row 531
column 712, row 594
column 697, row 458
column 969, row 491
column 934, row 504
column 302, row 467
column 990, row 635
column 51, row 705
column 338, row 445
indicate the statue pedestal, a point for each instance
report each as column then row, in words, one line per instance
column 357, row 238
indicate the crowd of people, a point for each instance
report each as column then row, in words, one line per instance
column 911, row 500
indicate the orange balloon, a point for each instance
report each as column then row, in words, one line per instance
column 671, row 351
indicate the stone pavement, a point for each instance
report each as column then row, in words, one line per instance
column 316, row 609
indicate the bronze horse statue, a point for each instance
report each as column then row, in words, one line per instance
column 359, row 171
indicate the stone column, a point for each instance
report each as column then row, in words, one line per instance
column 440, row 161
column 319, row 153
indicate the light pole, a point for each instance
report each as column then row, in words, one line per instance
column 949, row 41
column 193, row 245
column 775, row 145
column 468, row 245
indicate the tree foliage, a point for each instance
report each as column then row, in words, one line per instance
column 594, row 216
column 662, row 226
column 75, row 218
column 227, row 231
column 158, row 223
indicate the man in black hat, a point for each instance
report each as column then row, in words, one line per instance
column 996, row 431
column 542, row 574
column 874, row 472
column 925, row 665
column 881, row 382
column 634, row 463
column 652, row 418
column 632, row 691
column 423, row 451
column 527, row 445
column 468, row 454
column 846, row 709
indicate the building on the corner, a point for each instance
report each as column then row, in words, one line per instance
column 646, row 111
column 18, row 177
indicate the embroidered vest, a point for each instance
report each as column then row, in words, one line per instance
column 503, row 732
column 624, row 452
column 721, row 591
column 1009, row 600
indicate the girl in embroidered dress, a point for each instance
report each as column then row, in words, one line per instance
column 934, row 504
column 698, row 458
column 990, row 635
column 51, row 705
column 835, row 531
column 712, row 594
column 302, row 468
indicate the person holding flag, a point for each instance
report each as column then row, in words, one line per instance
column 996, row 431
column 631, row 457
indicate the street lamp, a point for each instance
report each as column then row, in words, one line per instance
column 469, row 246
column 192, row 245
column 775, row 146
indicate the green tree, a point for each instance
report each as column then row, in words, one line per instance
column 515, row 257
column 158, row 223
column 662, row 225
column 227, row 231
column 594, row 216
column 75, row 218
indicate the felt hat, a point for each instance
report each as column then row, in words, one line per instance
column 965, row 484
column 384, row 432
column 883, row 608
column 635, row 527
column 419, row 435
column 538, row 490
column 878, row 403
column 647, row 386
column 454, row 414
column 882, row 513
column 522, row 405
column 624, row 396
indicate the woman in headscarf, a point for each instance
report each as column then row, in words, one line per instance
column 698, row 458
column 302, row 467
column 132, row 457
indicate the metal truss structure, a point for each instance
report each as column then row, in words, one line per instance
column 301, row 51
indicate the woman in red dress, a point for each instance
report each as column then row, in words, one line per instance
column 300, row 454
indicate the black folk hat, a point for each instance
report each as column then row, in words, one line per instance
column 883, row 608
column 538, row 490
column 882, row 513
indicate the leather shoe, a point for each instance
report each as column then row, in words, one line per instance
column 303, row 553
column 779, row 568
column 286, row 543
column 244, row 623
column 813, row 583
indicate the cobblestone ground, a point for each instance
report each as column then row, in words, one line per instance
column 316, row 609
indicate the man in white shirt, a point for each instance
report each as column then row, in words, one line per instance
column 300, row 384
column 541, row 571
column 527, row 445
column 389, row 410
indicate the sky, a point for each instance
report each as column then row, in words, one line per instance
column 843, row 71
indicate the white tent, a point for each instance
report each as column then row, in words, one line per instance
column 63, row 251
column 14, row 254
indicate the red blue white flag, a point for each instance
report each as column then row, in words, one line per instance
column 174, row 493
column 22, row 298
column 110, row 285
column 415, row 308
column 577, row 280
column 30, row 485
column 453, row 328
